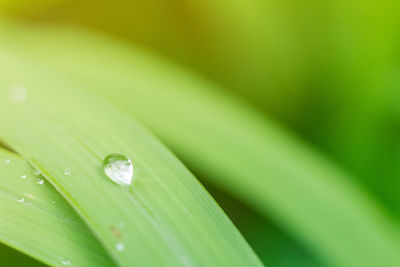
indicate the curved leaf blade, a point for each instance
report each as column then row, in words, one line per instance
column 168, row 217
column 36, row 220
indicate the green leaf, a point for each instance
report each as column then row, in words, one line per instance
column 36, row 220
column 164, row 218
column 236, row 147
column 11, row 257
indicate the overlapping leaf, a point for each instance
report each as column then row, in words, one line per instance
column 35, row 219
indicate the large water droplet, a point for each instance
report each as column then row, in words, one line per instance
column 118, row 168
column 40, row 181
column 17, row 93
column 120, row 247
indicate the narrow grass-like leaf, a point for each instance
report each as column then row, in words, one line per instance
column 237, row 147
column 36, row 220
column 164, row 218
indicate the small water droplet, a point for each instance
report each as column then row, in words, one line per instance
column 7, row 161
column 66, row 262
column 40, row 181
column 17, row 93
column 67, row 172
column 29, row 203
column 23, row 176
column 21, row 200
column 118, row 168
column 36, row 172
column 120, row 247
column 53, row 202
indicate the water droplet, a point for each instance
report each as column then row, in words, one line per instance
column 7, row 161
column 118, row 168
column 67, row 172
column 120, row 247
column 121, row 224
column 53, row 202
column 17, row 93
column 23, row 176
column 36, row 172
column 66, row 262
column 21, row 200
column 29, row 203
column 40, row 181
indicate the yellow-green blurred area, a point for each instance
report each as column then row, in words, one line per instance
column 326, row 70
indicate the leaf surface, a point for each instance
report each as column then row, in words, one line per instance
column 165, row 218
column 36, row 220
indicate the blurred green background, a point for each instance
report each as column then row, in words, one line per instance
column 327, row 71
